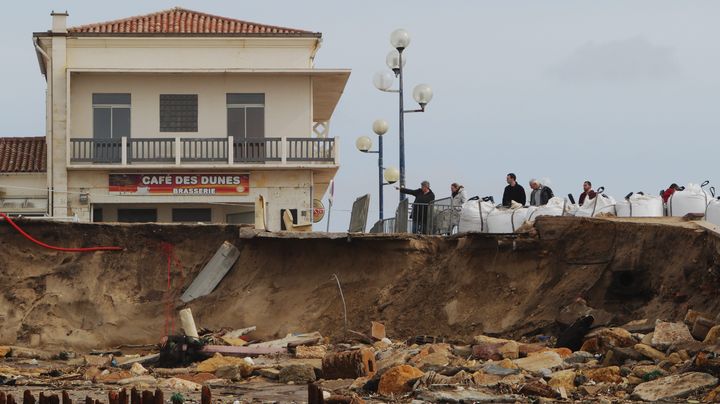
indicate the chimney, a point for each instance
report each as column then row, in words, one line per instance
column 59, row 22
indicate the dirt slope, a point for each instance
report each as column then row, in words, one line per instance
column 454, row 287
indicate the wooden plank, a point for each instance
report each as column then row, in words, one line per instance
column 215, row 270
column 242, row 350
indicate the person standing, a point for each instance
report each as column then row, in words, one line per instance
column 420, row 209
column 587, row 193
column 540, row 194
column 668, row 192
column 513, row 192
column 457, row 193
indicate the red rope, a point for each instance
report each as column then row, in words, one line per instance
column 65, row 249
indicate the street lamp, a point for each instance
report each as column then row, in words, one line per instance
column 400, row 40
column 364, row 144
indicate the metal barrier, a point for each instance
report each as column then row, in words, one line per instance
column 437, row 217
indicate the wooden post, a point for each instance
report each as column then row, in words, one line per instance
column 123, row 397
column 89, row 400
column 65, row 398
column 2, row 398
column 52, row 399
column 113, row 397
column 148, row 397
column 28, row 397
column 9, row 399
column 159, row 399
column 205, row 395
column 135, row 396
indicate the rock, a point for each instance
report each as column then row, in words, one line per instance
column 701, row 327
column 359, row 383
column 4, row 351
column 270, row 373
column 713, row 396
column 674, row 358
column 462, row 351
column 233, row 372
column 377, row 330
column 213, row 364
column 609, row 374
column 395, row 380
column 113, row 377
column 634, row 380
column 642, row 371
column 432, row 361
column 138, row 381
column 650, row 352
column 481, row 378
column 693, row 315
column 138, row 370
column 539, row 389
column 713, row 335
column 620, row 355
column 177, row 384
column 487, row 348
column 564, row 379
column 310, row 352
column 674, row 386
column 573, row 336
column 299, row 374
column 465, row 396
column 500, row 369
column 393, row 358
column 548, row 359
column 28, row 353
column 579, row 357
column 604, row 339
column 667, row 334
column 91, row 373
column 647, row 339
column 639, row 326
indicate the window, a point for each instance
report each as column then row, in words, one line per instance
column 246, row 115
column 111, row 115
column 136, row 215
column 178, row 113
column 191, row 215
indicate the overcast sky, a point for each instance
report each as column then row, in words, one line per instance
column 624, row 93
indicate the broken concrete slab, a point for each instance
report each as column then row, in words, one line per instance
column 214, row 271
column 466, row 396
column 542, row 360
column 290, row 340
column 667, row 333
column 674, row 386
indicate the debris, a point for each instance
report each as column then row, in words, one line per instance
column 177, row 384
column 349, row 364
column 675, row 386
column 650, row 352
column 495, row 348
column 233, row 372
column 213, row 272
column 310, row 352
column 610, row 374
column 213, row 364
column 564, row 379
column 465, row 396
column 270, row 373
column 297, row 374
column 701, row 327
column 377, row 330
column 233, row 337
column 290, row 340
column 539, row 389
column 667, row 334
column 188, row 323
column 127, row 364
column 604, row 339
column 242, row 350
column 138, row 381
column 137, row 369
column 395, row 380
column 713, row 335
column 572, row 337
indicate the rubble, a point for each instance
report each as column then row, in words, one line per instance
column 674, row 386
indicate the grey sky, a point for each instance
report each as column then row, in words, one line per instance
column 624, row 93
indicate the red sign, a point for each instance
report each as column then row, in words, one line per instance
column 179, row 184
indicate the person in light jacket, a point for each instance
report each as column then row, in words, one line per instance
column 540, row 194
column 457, row 192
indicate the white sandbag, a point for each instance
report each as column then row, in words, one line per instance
column 639, row 205
column 712, row 213
column 596, row 206
column 690, row 200
column 555, row 207
column 470, row 218
column 505, row 220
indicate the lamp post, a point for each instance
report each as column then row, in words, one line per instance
column 422, row 93
column 364, row 144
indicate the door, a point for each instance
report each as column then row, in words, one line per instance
column 246, row 124
column 111, row 122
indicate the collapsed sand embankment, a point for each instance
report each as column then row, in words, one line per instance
column 454, row 287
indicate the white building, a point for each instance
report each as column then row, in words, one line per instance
column 181, row 116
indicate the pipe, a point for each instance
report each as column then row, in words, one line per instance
column 50, row 247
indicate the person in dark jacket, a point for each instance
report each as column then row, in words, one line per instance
column 540, row 194
column 419, row 214
column 513, row 192
column 587, row 193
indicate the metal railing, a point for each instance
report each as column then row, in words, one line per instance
column 437, row 217
column 151, row 150
column 310, row 149
column 179, row 150
column 257, row 150
column 96, row 150
column 204, row 149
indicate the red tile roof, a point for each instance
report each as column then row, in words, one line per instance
column 23, row 155
column 182, row 21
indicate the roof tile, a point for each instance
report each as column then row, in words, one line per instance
column 23, row 154
column 179, row 20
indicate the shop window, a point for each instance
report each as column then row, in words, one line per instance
column 178, row 113
column 137, row 215
column 191, row 215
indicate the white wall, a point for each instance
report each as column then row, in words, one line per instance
column 288, row 102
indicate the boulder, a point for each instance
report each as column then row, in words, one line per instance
column 177, row 384
column 233, row 372
column 579, row 357
column 604, row 339
column 487, row 348
column 701, row 327
column 667, row 333
column 137, row 369
column 542, row 360
column 609, row 374
column 713, row 335
column 270, row 373
column 650, row 352
column 642, row 371
column 213, row 364
column 395, row 380
column 298, row 374
column 4, row 351
column 672, row 387
column 564, row 379
column 620, row 355
column 484, row 379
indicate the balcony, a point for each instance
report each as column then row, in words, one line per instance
column 180, row 151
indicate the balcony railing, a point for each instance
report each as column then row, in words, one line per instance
column 177, row 151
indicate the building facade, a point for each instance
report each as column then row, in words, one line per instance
column 182, row 116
